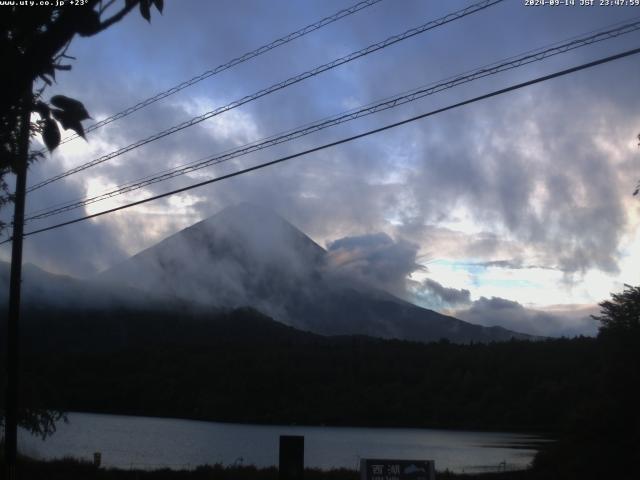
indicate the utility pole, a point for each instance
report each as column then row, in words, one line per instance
column 13, row 321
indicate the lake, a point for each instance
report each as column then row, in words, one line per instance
column 152, row 443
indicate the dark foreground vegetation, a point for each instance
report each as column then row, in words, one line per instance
column 67, row 469
column 244, row 367
column 74, row 470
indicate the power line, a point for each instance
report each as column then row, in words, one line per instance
column 277, row 86
column 603, row 33
column 231, row 63
column 345, row 140
column 391, row 102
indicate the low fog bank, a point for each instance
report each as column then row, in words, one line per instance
column 554, row 321
column 557, row 322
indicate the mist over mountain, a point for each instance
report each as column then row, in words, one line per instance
column 249, row 256
column 44, row 289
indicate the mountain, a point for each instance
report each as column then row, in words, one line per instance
column 44, row 289
column 249, row 256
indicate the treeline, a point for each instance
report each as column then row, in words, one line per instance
column 243, row 367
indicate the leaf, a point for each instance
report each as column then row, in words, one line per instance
column 51, row 134
column 159, row 4
column 42, row 109
column 71, row 106
column 145, row 9
column 68, row 121
column 62, row 67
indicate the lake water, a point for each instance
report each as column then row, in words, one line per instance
column 152, row 443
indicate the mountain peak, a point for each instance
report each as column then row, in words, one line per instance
column 244, row 255
column 258, row 226
column 244, row 210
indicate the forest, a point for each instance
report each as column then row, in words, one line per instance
column 241, row 366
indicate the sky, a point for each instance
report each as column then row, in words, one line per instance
column 514, row 211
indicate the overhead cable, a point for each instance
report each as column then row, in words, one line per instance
column 495, row 93
column 391, row 102
column 225, row 66
column 275, row 87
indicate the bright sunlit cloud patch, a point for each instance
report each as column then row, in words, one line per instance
column 234, row 126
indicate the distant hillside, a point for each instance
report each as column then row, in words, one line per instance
column 249, row 256
column 45, row 289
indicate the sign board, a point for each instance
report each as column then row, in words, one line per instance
column 379, row 469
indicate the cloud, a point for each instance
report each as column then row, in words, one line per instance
column 512, row 264
column 559, row 197
column 537, row 177
column 375, row 259
column 495, row 311
column 434, row 295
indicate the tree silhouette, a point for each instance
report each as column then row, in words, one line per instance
column 620, row 316
column 620, row 339
column 602, row 439
column 33, row 47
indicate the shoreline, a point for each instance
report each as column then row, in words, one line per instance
column 541, row 433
